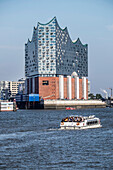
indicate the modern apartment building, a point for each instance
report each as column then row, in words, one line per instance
column 52, row 53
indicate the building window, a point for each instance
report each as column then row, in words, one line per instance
column 45, row 82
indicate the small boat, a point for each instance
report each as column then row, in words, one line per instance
column 7, row 106
column 80, row 122
column 70, row 108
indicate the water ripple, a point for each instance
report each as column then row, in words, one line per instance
column 32, row 139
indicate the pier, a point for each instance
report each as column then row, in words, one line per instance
column 62, row 104
column 78, row 104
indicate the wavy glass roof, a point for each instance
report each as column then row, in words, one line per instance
column 63, row 29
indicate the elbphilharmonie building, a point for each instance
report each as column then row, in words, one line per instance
column 55, row 66
column 51, row 52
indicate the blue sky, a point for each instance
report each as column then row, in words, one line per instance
column 90, row 20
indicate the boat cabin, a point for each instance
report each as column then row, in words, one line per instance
column 73, row 119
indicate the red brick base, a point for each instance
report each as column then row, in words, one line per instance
column 48, row 87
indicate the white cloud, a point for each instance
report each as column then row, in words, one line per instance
column 110, row 27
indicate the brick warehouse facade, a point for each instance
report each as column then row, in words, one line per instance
column 49, row 87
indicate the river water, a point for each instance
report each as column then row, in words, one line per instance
column 32, row 139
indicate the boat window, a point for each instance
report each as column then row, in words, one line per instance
column 92, row 122
column 72, row 119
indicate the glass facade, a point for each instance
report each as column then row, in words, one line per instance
column 52, row 52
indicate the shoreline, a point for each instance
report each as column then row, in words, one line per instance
column 62, row 104
column 77, row 104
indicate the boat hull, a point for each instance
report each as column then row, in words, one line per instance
column 6, row 106
column 80, row 127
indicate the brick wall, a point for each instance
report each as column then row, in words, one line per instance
column 57, row 88
column 48, row 87
column 80, row 89
column 73, row 88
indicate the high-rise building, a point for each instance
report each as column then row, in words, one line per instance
column 52, row 54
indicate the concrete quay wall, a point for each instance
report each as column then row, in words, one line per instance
column 62, row 104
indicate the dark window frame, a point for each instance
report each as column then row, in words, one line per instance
column 45, row 82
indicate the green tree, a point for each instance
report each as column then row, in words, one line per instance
column 98, row 96
column 91, row 96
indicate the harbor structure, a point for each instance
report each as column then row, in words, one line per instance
column 55, row 66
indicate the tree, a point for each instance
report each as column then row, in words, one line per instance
column 98, row 96
column 91, row 96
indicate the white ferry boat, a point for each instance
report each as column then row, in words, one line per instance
column 80, row 122
column 7, row 106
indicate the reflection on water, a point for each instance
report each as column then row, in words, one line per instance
column 33, row 139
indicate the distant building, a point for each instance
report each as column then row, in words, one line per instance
column 51, row 58
column 13, row 87
column 16, row 86
column 3, row 85
column 21, row 86
column 10, row 88
column 5, row 94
